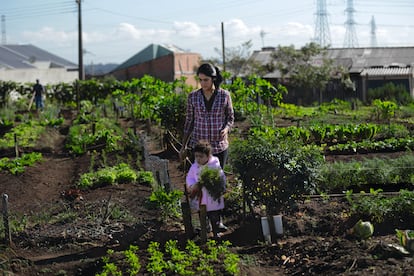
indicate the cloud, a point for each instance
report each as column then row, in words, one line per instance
column 187, row 29
column 49, row 34
column 236, row 27
column 126, row 30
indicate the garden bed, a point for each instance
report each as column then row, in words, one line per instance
column 315, row 241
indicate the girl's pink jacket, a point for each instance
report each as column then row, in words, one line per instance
column 206, row 199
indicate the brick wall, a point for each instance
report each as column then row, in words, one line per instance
column 166, row 68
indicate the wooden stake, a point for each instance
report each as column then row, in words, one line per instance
column 203, row 223
column 7, row 234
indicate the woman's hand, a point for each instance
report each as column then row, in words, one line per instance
column 224, row 132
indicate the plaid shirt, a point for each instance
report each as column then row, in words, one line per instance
column 206, row 125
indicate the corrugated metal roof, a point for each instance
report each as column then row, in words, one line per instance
column 389, row 71
column 153, row 51
column 25, row 56
column 357, row 59
column 12, row 60
column 377, row 56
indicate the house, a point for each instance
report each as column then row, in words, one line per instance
column 374, row 67
column 26, row 63
column 166, row 63
column 368, row 68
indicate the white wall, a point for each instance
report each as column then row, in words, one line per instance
column 46, row 76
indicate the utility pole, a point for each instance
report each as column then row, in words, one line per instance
column 80, row 47
column 222, row 46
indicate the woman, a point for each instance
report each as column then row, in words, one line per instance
column 210, row 114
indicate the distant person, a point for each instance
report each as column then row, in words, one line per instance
column 204, row 158
column 38, row 95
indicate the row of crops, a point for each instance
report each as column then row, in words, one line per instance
column 286, row 144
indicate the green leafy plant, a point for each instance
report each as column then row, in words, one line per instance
column 99, row 134
column 125, row 174
column 340, row 176
column 26, row 134
column 377, row 207
column 145, row 178
column 213, row 181
column 128, row 262
column 213, row 259
column 167, row 201
column 17, row 165
column 384, row 109
column 118, row 174
column 156, row 263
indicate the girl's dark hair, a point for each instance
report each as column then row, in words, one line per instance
column 203, row 147
column 211, row 71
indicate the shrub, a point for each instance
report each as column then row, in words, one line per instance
column 276, row 173
column 390, row 92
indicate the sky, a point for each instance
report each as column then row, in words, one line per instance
column 113, row 31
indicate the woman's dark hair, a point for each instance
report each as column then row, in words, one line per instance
column 211, row 71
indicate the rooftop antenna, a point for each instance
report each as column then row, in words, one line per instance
column 322, row 33
column 3, row 30
column 351, row 40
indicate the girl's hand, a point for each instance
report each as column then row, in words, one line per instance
column 194, row 190
column 182, row 154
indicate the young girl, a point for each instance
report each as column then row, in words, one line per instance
column 203, row 157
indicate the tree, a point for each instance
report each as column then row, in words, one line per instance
column 238, row 60
column 308, row 67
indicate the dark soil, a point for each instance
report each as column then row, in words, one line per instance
column 315, row 240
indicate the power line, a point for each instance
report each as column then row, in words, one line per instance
column 131, row 16
column 39, row 10
column 378, row 25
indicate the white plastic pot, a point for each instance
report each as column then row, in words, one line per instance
column 277, row 220
column 266, row 230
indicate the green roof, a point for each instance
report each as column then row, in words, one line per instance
column 153, row 51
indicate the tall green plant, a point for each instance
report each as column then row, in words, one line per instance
column 275, row 173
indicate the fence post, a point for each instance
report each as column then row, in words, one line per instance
column 16, row 146
column 7, row 234
column 188, row 226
